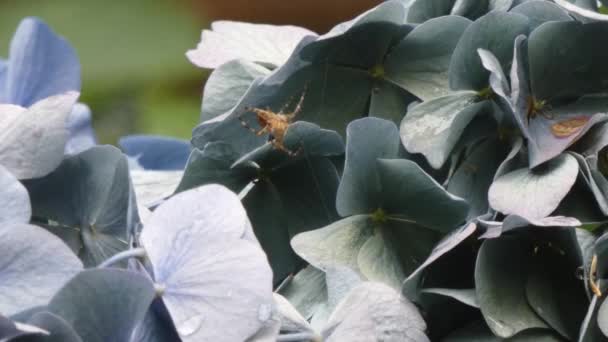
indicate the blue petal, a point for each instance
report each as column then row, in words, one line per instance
column 82, row 136
column 3, row 67
column 156, row 152
column 41, row 64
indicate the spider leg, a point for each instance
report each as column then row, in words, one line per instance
column 256, row 132
column 298, row 108
column 285, row 106
column 264, row 130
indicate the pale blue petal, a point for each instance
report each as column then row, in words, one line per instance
column 3, row 67
column 40, row 64
column 82, row 136
column 156, row 152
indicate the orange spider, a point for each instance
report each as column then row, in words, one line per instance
column 275, row 124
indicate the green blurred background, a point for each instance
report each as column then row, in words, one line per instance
column 136, row 78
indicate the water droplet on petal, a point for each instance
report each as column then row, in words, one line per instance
column 190, row 326
column 264, row 312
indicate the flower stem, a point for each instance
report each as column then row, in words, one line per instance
column 125, row 255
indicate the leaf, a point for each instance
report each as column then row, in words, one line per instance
column 82, row 135
column 367, row 139
column 375, row 311
column 228, row 128
column 470, row 8
column 280, row 208
column 33, row 139
column 59, row 329
column 600, row 249
column 493, row 32
column 576, row 204
column 501, row 5
column 152, row 187
column 563, row 309
column 228, row 40
column 340, row 281
column 195, row 242
column 595, row 181
column 338, row 244
column 411, row 242
column 590, row 330
column 498, row 80
column 474, row 176
column 25, row 315
column 306, row 291
column 389, row 101
column 88, row 303
column 154, row 152
column 10, row 330
column 407, row 190
column 581, row 13
column 33, row 266
column 513, row 160
column 465, row 296
column 377, row 261
column 433, row 127
column 534, row 194
column 390, row 11
column 593, row 141
column 588, row 4
column 585, row 243
column 291, row 320
column 346, row 243
column 602, row 319
column 419, row 63
column 500, row 276
column 213, row 165
column 307, row 190
column 423, row 10
column 511, row 222
column 156, row 326
column 85, row 202
column 384, row 21
column 227, row 84
column 556, row 73
column 446, row 244
column 265, row 208
column 41, row 64
column 475, row 332
column 14, row 200
column 479, row 332
column 540, row 12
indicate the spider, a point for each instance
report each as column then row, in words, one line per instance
column 275, row 124
column 537, row 107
